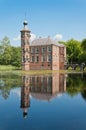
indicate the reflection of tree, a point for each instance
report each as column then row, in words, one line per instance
column 83, row 93
column 7, row 83
column 75, row 84
column 5, row 93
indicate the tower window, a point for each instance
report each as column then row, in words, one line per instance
column 23, row 42
column 23, row 50
column 27, row 50
column 26, row 57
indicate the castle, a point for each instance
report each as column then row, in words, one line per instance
column 42, row 53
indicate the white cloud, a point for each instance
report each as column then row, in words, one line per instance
column 58, row 36
column 18, row 38
column 33, row 37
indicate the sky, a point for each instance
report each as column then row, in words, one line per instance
column 60, row 19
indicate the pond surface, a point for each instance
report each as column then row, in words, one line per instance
column 43, row 102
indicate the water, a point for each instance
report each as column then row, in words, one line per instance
column 43, row 102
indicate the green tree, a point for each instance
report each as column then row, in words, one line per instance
column 16, row 56
column 73, row 51
column 5, row 53
column 83, row 54
column 83, row 45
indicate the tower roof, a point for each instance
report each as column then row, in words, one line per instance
column 25, row 23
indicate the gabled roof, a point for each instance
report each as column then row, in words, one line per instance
column 45, row 41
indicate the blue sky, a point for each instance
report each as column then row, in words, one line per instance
column 65, row 19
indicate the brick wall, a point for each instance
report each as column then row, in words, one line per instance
column 55, row 57
column 40, row 65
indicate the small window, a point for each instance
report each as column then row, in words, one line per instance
column 26, row 49
column 23, row 51
column 62, row 50
column 32, row 59
column 49, row 49
column 32, row 49
column 37, row 50
column 23, row 42
column 43, row 58
column 26, row 57
column 62, row 58
column 43, row 49
column 49, row 58
column 37, row 58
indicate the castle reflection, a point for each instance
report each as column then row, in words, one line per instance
column 44, row 87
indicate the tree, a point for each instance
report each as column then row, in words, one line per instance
column 16, row 56
column 83, row 45
column 73, row 51
column 5, row 53
column 83, row 54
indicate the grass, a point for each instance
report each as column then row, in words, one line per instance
column 12, row 69
column 7, row 68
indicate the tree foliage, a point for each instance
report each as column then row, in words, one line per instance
column 9, row 55
column 73, row 50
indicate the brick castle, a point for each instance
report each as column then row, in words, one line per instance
column 42, row 53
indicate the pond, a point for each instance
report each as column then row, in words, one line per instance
column 43, row 102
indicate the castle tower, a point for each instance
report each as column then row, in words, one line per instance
column 25, row 45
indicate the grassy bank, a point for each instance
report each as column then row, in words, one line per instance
column 8, row 68
column 13, row 69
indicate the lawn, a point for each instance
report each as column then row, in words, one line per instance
column 8, row 68
column 13, row 69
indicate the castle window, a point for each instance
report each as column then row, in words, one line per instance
column 61, row 50
column 32, row 49
column 62, row 58
column 37, row 50
column 26, row 49
column 23, row 51
column 43, row 49
column 26, row 57
column 23, row 60
column 49, row 49
column 37, row 58
column 23, row 42
column 49, row 58
column 32, row 59
column 28, row 42
column 43, row 58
